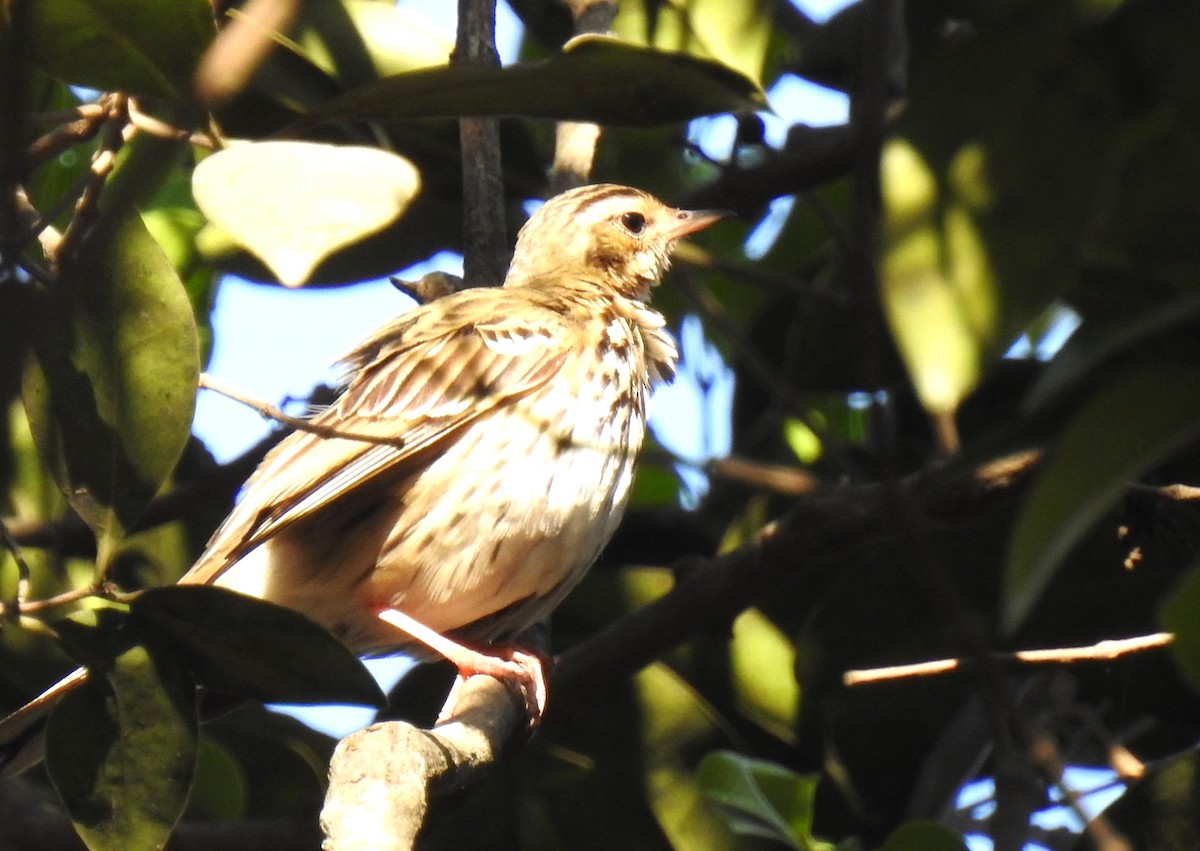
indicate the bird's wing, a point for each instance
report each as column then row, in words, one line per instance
column 415, row 384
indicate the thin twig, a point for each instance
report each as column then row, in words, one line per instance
column 23, row 574
column 1108, row 649
column 115, row 134
column 34, row 606
column 81, row 125
column 152, row 126
column 271, row 412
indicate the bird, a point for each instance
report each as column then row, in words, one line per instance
column 478, row 458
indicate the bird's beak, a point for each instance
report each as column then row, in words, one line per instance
column 690, row 221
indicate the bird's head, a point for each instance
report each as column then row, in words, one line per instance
column 613, row 235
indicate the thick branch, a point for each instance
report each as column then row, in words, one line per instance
column 381, row 778
column 815, row 536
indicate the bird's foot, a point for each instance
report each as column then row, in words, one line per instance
column 507, row 663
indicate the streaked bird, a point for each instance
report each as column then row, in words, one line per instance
column 505, row 423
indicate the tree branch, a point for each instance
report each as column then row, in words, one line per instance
column 485, row 242
column 381, row 778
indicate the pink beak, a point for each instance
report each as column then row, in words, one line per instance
column 690, row 221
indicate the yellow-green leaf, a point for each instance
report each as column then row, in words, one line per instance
column 111, row 388
column 938, row 289
column 292, row 204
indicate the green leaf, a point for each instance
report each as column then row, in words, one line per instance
column 759, row 798
column 1181, row 615
column 923, row 836
column 734, row 34
column 111, row 389
column 146, row 47
column 594, row 78
column 121, row 750
column 247, row 646
column 1029, row 194
column 762, row 662
column 219, row 790
column 939, row 292
column 1136, row 419
column 292, row 204
column 360, row 40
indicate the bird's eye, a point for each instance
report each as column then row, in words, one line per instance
column 633, row 222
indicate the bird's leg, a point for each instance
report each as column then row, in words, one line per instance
column 506, row 664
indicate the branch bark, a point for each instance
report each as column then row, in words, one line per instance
column 485, row 243
column 381, row 778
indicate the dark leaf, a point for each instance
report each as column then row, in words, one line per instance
column 121, row 750
column 1181, row 615
column 246, row 646
column 595, row 78
column 146, row 47
column 1135, row 420
column 923, row 836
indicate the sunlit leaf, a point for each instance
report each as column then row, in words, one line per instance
column 121, row 751
column 292, row 204
column 674, row 724
column 735, row 34
column 1136, row 419
column 762, row 661
column 802, row 440
column 359, row 40
column 145, row 47
column 594, row 78
column 938, row 289
column 759, row 798
column 246, row 646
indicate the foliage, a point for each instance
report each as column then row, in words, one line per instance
column 1009, row 166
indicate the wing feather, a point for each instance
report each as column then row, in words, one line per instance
column 417, row 383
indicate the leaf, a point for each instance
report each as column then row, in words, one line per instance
column 938, row 288
column 734, row 34
column 247, row 646
column 121, row 751
column 594, row 78
column 292, row 204
column 1033, row 190
column 762, row 668
column 111, row 388
column 759, row 798
column 360, row 40
column 219, row 790
column 923, row 836
column 146, row 47
column 1179, row 615
column 1136, row 419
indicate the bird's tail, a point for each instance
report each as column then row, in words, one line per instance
column 21, row 733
